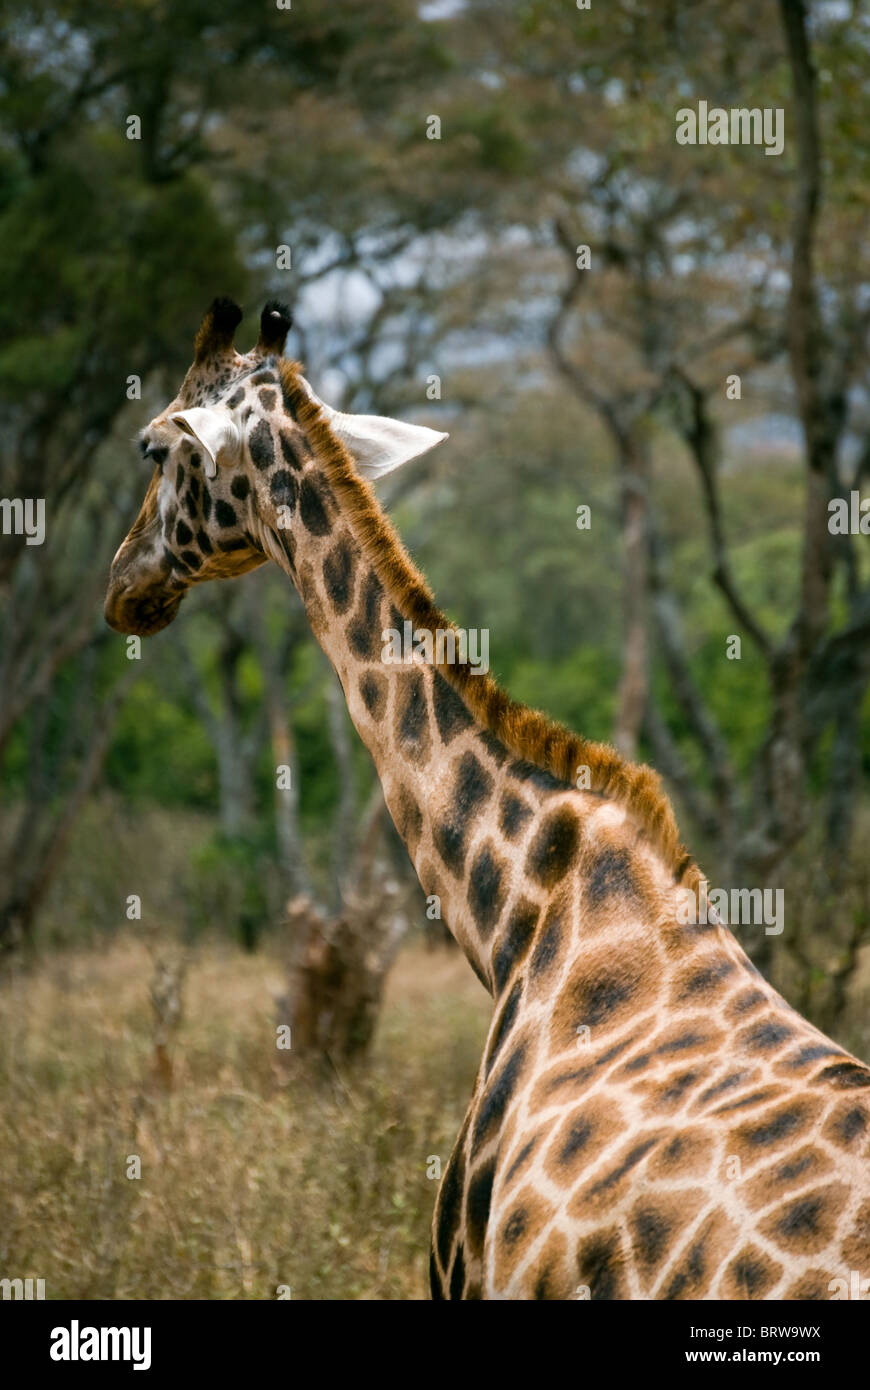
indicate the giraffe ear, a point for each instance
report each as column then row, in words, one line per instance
column 214, row 431
column 377, row 443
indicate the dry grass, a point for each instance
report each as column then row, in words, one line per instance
column 250, row 1180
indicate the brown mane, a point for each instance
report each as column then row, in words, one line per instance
column 527, row 733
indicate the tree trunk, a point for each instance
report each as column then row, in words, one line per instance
column 634, row 680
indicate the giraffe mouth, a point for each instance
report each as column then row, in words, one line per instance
column 140, row 615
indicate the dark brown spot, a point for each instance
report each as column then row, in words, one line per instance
column 765, row 1036
column 451, row 714
column 847, row 1126
column 289, row 450
column 494, row 747
column 703, row 981
column 450, row 1203
column 609, row 875
column 260, row 445
column 554, row 847
column 504, row 1023
column 472, row 787
column 412, row 714
column 514, row 944
column 457, row 1275
column 497, row 1095
column 363, row 634
column 772, row 1132
column 515, row 1227
column 449, row 840
column 477, row 1209
column 538, row 777
column 283, row 488
column 846, row 1075
column 811, row 1053
column 748, row 1001
column 651, row 1231
column 806, row 1224
column 600, row 1266
column 522, row 1157
column 338, row 576
column 373, row 689
column 599, row 993
column 312, row 508
column 486, row 891
column 549, row 942
column 513, row 814
column 750, row 1275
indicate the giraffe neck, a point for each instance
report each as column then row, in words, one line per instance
column 481, row 790
column 436, row 762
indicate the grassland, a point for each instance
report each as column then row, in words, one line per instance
column 252, row 1177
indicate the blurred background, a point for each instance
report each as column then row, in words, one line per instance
column 417, row 181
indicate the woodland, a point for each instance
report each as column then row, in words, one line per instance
column 483, row 221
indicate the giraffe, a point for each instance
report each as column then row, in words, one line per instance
column 650, row 1119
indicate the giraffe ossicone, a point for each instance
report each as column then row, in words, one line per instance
column 650, row 1118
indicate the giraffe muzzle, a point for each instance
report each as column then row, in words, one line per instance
column 138, row 614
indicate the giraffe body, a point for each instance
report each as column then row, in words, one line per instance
column 650, row 1119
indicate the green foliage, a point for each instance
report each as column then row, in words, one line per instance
column 228, row 887
column 160, row 751
column 97, row 268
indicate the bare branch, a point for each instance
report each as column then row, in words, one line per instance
column 700, row 436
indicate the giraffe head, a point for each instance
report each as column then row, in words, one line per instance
column 229, row 457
